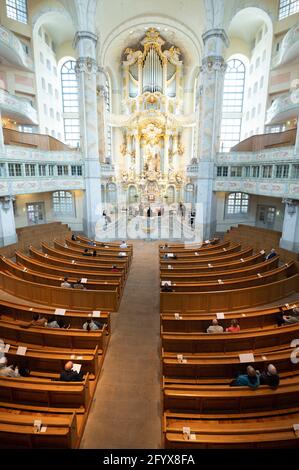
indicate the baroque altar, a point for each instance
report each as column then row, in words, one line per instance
column 151, row 156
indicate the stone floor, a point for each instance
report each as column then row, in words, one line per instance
column 126, row 411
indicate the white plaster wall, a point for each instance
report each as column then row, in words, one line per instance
column 74, row 221
column 47, row 124
column 224, row 223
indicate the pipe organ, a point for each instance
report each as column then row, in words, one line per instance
column 152, row 153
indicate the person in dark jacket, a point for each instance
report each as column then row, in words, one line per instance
column 270, row 376
column 70, row 375
column 271, row 254
column 167, row 288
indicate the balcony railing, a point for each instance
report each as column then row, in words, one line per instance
column 12, row 50
column 255, row 143
column 17, row 108
column 107, row 169
column 36, row 141
column 284, row 108
column 289, row 48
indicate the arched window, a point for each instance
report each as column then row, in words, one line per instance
column 17, row 10
column 70, row 100
column 232, row 105
column 287, row 8
column 63, row 202
column 237, row 204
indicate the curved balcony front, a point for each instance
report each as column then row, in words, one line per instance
column 17, row 109
column 12, row 51
column 289, row 49
column 284, row 108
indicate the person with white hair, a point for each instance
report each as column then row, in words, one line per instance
column 215, row 327
column 8, row 371
column 270, row 376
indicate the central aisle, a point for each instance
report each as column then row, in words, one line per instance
column 126, row 411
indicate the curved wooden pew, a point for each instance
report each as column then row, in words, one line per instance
column 48, row 362
column 222, row 301
column 81, row 263
column 191, row 248
column 260, row 430
column 212, row 268
column 203, row 254
column 201, row 366
column 176, row 276
column 192, row 322
column 228, row 284
column 24, row 312
column 253, row 340
column 219, row 398
column 22, row 272
column 205, row 259
column 51, row 337
column 213, row 241
column 41, row 266
column 80, row 246
column 59, row 297
column 17, row 431
column 93, row 263
column 73, row 395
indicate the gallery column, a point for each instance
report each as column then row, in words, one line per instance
column 8, row 234
column 86, row 69
column 212, row 78
column 290, row 230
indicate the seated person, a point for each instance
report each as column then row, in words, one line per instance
column 234, row 328
column 8, row 371
column 79, row 285
column 70, row 375
column 52, row 323
column 166, row 256
column 90, row 325
column 123, row 244
column 166, row 288
column 66, row 284
column 215, row 327
column 164, row 247
column 270, row 376
column 94, row 253
column 74, row 238
column 250, row 379
column 114, row 268
column 271, row 254
column 87, row 253
column 62, row 323
column 292, row 317
column 37, row 320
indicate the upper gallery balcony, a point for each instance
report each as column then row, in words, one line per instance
column 284, row 108
column 12, row 51
column 17, row 109
column 289, row 49
column 259, row 142
column 33, row 141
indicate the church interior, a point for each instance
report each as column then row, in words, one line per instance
column 149, row 224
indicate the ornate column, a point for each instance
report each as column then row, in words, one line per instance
column 297, row 138
column 164, row 75
column 140, row 63
column 8, row 234
column 166, row 153
column 290, row 230
column 212, row 78
column 137, row 154
column 1, row 134
column 86, row 69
